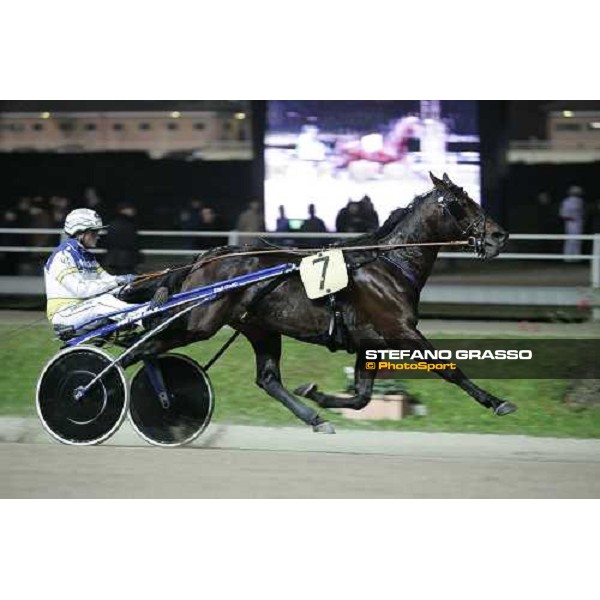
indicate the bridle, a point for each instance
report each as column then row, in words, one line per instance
column 474, row 232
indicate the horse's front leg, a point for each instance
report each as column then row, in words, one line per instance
column 267, row 349
column 363, row 388
column 456, row 376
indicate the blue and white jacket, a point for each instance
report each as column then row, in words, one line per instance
column 72, row 274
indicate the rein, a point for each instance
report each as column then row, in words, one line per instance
column 471, row 242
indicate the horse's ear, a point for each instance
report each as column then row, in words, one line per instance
column 437, row 182
column 447, row 179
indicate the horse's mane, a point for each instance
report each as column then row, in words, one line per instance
column 212, row 252
column 396, row 217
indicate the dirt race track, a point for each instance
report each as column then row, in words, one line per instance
column 255, row 462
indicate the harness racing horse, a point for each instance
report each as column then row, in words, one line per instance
column 379, row 306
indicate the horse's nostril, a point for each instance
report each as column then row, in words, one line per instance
column 500, row 236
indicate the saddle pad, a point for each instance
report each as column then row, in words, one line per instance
column 324, row 273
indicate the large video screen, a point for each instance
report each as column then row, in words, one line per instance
column 333, row 153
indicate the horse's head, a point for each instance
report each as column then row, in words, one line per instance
column 464, row 219
column 404, row 128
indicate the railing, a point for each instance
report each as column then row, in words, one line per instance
column 555, row 151
column 234, row 238
column 585, row 144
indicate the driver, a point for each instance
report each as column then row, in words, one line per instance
column 78, row 289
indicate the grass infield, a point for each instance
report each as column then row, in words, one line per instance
column 542, row 411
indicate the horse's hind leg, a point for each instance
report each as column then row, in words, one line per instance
column 267, row 348
column 363, row 387
column 201, row 324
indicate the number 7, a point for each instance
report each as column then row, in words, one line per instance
column 325, row 261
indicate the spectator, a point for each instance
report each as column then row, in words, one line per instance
column 283, row 223
column 39, row 218
column 313, row 225
column 342, row 217
column 571, row 212
column 283, row 226
column 122, row 255
column 59, row 207
column 190, row 220
column 210, row 221
column 9, row 219
column 250, row 220
column 189, row 217
column 8, row 260
column 23, row 214
column 92, row 200
column 350, row 219
column 369, row 214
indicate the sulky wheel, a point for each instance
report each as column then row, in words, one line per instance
column 95, row 416
column 185, row 412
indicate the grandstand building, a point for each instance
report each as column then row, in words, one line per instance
column 208, row 135
column 572, row 136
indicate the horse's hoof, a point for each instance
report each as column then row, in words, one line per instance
column 305, row 390
column 324, row 427
column 505, row 409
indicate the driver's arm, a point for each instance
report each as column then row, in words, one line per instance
column 72, row 279
column 106, row 277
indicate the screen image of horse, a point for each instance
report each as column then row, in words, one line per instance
column 338, row 151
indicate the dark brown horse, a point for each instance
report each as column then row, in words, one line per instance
column 378, row 307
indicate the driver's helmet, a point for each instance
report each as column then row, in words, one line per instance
column 82, row 219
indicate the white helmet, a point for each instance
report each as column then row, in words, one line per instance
column 82, row 219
